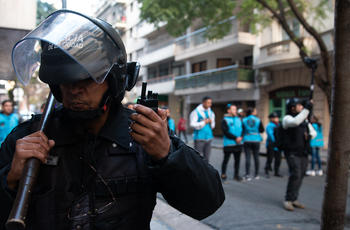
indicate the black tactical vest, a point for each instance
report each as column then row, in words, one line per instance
column 97, row 184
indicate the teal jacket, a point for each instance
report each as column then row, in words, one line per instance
column 232, row 129
column 318, row 140
column 7, row 123
column 252, row 127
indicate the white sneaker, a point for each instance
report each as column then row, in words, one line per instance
column 310, row 173
column 288, row 205
column 319, row 172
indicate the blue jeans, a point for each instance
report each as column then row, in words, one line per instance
column 315, row 157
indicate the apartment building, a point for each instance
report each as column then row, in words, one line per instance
column 185, row 69
column 281, row 74
column 261, row 70
column 18, row 17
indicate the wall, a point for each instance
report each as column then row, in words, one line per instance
column 18, row 14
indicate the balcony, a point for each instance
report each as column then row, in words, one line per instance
column 160, row 85
column 157, row 52
column 229, row 77
column 195, row 43
column 284, row 52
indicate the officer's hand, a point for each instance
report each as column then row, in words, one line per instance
column 151, row 131
column 238, row 140
column 34, row 145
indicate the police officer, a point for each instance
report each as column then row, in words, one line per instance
column 231, row 126
column 272, row 151
column 296, row 135
column 252, row 127
column 110, row 161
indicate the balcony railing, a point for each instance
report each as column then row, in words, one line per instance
column 219, row 76
column 197, row 37
column 160, row 79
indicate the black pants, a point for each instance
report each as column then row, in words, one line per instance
column 297, row 165
column 251, row 148
column 183, row 132
column 271, row 154
column 236, row 151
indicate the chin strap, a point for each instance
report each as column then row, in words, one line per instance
column 90, row 114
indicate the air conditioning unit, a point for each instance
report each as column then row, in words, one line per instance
column 264, row 77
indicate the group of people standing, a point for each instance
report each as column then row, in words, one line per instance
column 295, row 136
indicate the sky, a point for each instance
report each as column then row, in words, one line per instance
column 83, row 6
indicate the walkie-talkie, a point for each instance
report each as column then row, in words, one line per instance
column 151, row 101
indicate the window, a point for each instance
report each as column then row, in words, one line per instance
column 164, row 69
column 139, row 53
column 152, row 72
column 222, row 62
column 178, row 70
column 199, row 66
column 294, row 25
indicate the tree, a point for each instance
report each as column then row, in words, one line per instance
column 334, row 204
column 179, row 15
column 43, row 10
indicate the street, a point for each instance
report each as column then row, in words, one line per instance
column 257, row 204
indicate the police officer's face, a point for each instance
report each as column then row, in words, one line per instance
column 83, row 95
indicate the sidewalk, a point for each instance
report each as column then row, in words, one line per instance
column 218, row 144
column 166, row 217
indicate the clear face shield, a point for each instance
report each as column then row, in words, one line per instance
column 72, row 35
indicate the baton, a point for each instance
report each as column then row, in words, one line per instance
column 17, row 217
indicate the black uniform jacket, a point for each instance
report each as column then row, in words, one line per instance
column 92, row 171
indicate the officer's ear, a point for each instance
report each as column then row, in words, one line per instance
column 132, row 70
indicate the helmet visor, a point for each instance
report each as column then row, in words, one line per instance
column 75, row 35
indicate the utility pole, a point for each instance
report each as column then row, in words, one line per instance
column 334, row 203
column 64, row 4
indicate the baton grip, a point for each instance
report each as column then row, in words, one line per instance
column 17, row 217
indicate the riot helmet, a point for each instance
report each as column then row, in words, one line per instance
column 68, row 47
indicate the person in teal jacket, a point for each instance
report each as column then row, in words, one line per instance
column 8, row 119
column 231, row 126
column 171, row 122
column 202, row 120
column 272, row 151
column 252, row 127
column 316, row 144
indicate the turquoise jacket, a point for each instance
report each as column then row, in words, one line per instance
column 318, row 140
column 171, row 124
column 206, row 132
column 251, row 129
column 7, row 123
column 235, row 128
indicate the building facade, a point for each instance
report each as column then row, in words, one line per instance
column 262, row 70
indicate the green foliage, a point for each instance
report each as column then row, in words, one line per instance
column 43, row 10
column 178, row 15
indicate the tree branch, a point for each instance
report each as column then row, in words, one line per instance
column 285, row 26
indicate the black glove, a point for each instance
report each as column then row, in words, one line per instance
column 307, row 105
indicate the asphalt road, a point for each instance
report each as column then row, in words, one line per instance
column 257, row 204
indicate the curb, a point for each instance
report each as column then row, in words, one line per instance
column 169, row 218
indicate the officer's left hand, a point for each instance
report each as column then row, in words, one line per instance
column 151, row 131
